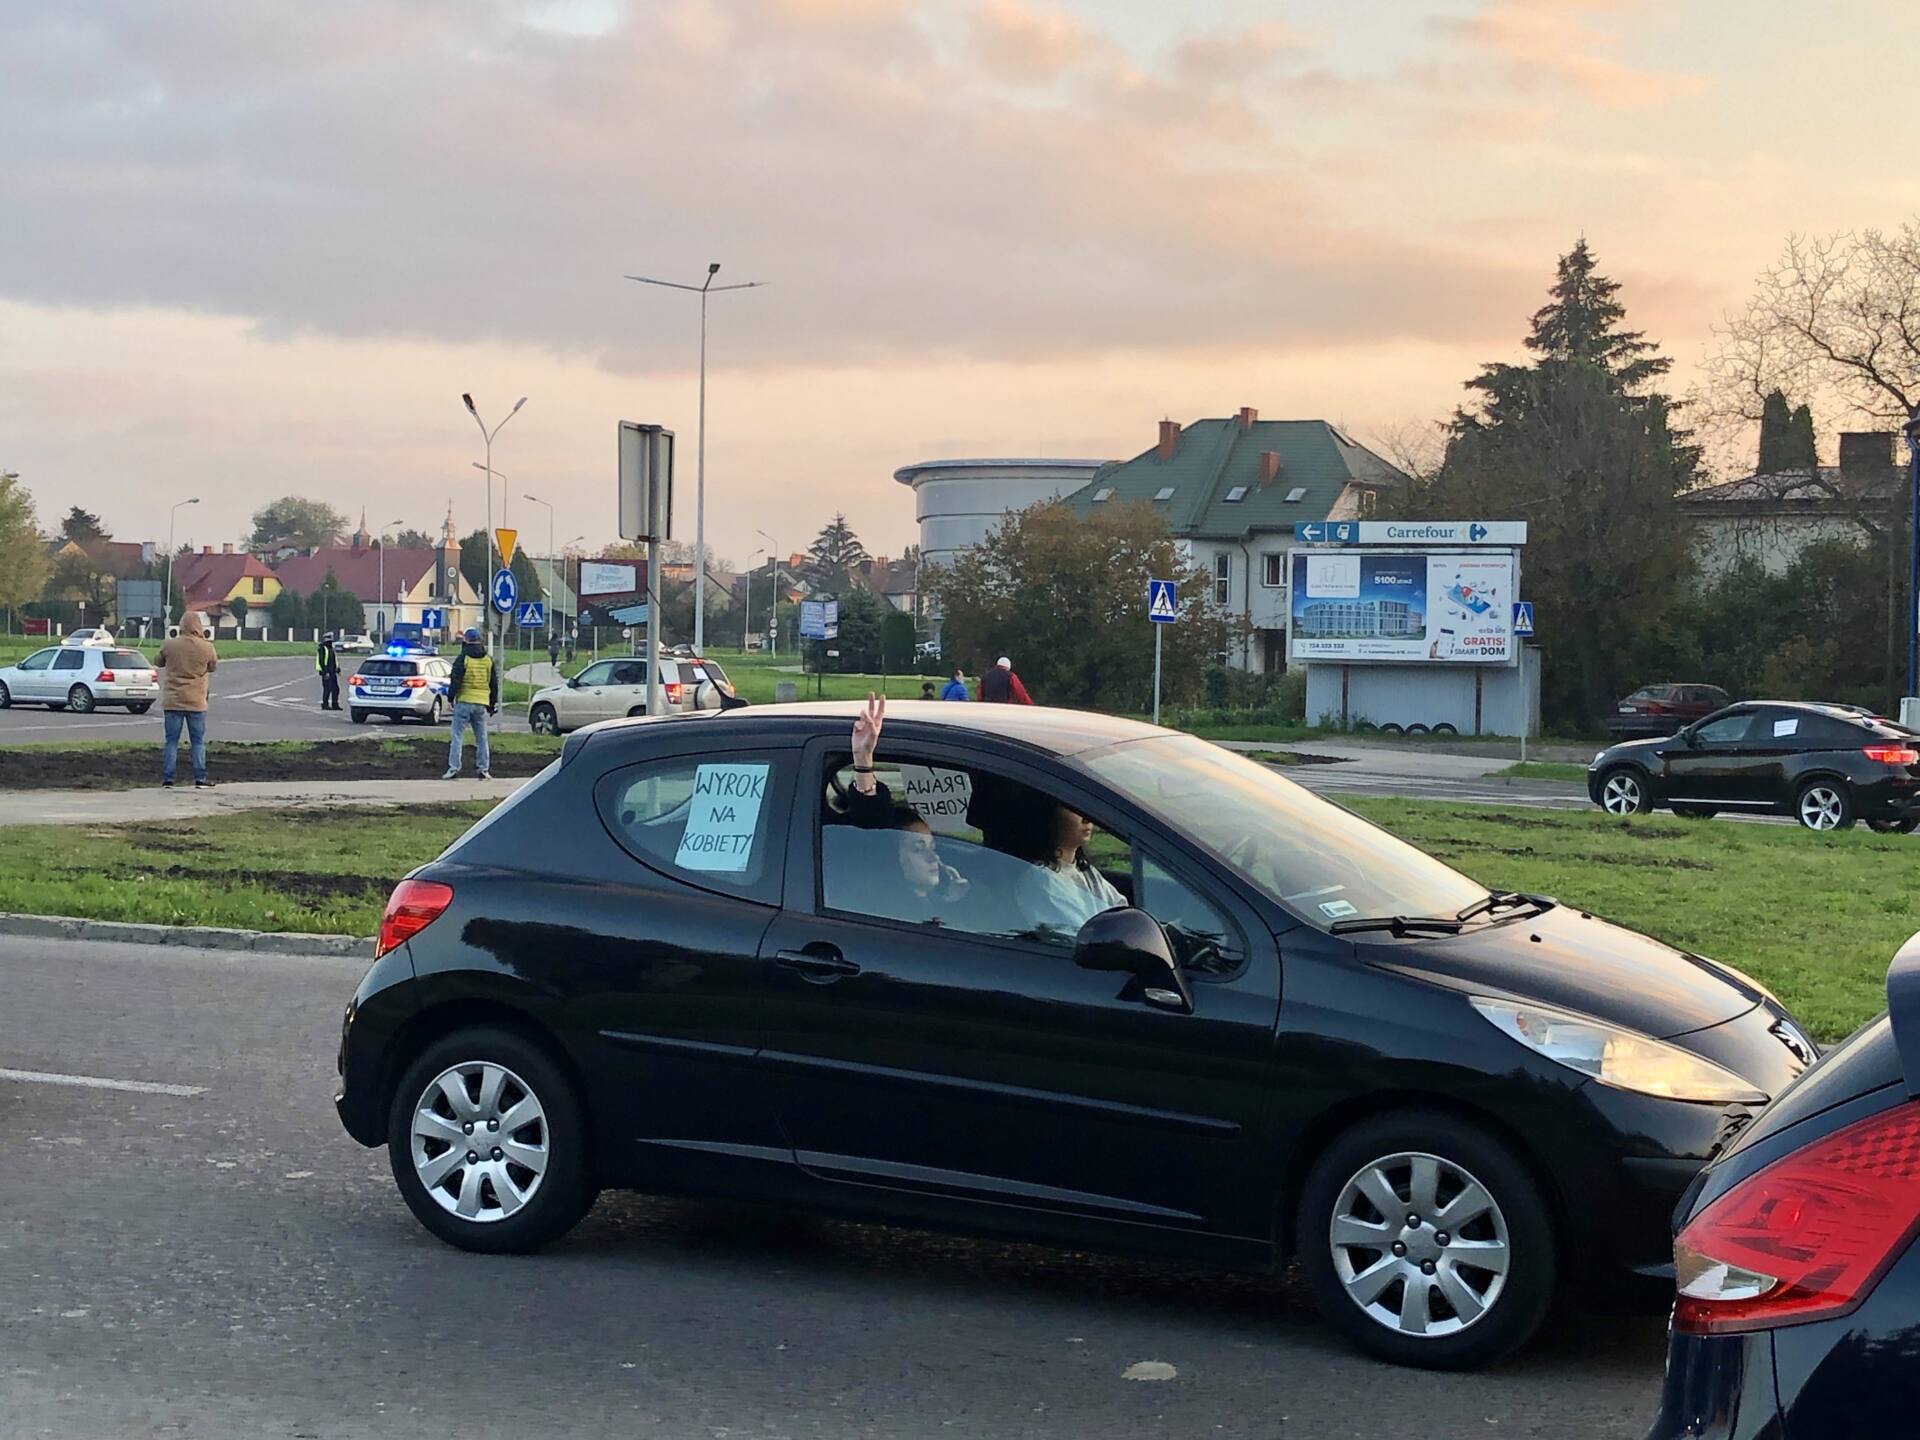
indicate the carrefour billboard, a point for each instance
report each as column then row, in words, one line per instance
column 1401, row 605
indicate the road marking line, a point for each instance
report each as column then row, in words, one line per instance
column 94, row 1082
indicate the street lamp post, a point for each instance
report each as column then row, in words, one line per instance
column 380, row 606
column 487, row 436
column 700, row 476
column 773, row 594
column 549, row 504
column 746, row 623
column 166, row 600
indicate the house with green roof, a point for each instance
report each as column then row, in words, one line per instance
column 1232, row 490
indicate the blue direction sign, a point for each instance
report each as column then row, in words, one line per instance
column 1163, row 602
column 1327, row 532
column 431, row 619
column 531, row 615
column 1523, row 617
column 505, row 591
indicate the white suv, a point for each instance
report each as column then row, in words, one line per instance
column 79, row 678
column 609, row 689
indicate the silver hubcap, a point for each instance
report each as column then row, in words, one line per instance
column 1621, row 796
column 543, row 721
column 1820, row 808
column 480, row 1141
column 1419, row 1244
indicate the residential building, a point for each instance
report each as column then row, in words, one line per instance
column 211, row 583
column 1231, row 490
column 393, row 582
column 1772, row 518
column 894, row 581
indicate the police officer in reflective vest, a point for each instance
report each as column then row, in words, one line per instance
column 327, row 665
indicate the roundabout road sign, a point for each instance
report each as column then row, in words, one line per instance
column 506, row 591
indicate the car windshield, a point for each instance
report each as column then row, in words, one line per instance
column 1323, row 863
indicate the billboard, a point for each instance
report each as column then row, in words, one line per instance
column 613, row 592
column 1401, row 605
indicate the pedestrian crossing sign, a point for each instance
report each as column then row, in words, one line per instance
column 531, row 615
column 1163, row 606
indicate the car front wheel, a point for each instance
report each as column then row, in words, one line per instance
column 80, row 700
column 544, row 721
column 1622, row 792
column 6, row 696
column 1824, row 805
column 488, row 1143
column 1425, row 1240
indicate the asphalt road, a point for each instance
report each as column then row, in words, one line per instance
column 229, row 1264
column 275, row 698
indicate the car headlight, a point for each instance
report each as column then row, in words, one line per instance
column 1596, row 758
column 1614, row 1056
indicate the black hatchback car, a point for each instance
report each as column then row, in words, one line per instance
column 1086, row 981
column 1826, row 765
column 1799, row 1279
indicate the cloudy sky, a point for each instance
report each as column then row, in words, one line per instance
column 254, row 248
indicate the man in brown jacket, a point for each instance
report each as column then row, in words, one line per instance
column 186, row 661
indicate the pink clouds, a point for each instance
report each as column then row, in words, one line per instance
column 1547, row 42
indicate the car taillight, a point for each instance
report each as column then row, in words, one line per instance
column 356, row 680
column 1893, row 754
column 106, row 677
column 1809, row 1236
column 414, row 682
column 672, row 687
column 414, row 905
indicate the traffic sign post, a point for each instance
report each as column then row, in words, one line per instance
column 531, row 615
column 1523, row 617
column 505, row 591
column 1163, row 608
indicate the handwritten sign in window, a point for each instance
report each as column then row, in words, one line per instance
column 722, row 818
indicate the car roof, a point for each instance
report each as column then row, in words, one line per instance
column 1062, row 732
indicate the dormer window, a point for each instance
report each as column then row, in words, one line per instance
column 1165, row 492
column 1236, row 494
column 1105, row 492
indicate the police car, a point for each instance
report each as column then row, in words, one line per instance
column 402, row 684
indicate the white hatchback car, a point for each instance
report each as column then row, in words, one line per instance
column 609, row 689
column 92, row 635
column 80, row 678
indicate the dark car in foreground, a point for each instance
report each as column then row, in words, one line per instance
column 1798, row 1312
column 1663, row 709
column 1092, row 983
column 1828, row 766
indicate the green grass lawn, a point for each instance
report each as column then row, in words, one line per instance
column 1815, row 918
column 1544, row 770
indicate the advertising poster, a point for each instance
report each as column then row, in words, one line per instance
column 613, row 593
column 1366, row 605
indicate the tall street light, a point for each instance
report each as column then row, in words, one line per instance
column 746, row 623
column 166, row 600
column 549, row 504
column 773, row 593
column 486, row 599
column 380, row 609
column 700, row 478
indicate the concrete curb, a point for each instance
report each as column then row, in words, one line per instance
column 205, row 937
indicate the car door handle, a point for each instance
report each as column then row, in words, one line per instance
column 821, row 966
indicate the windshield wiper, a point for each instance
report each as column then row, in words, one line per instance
column 1399, row 924
column 1502, row 900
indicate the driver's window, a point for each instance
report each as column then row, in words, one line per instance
column 1724, row 731
column 1204, row 941
column 39, row 660
column 596, row 674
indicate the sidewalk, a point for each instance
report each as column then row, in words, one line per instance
column 96, row 807
column 538, row 673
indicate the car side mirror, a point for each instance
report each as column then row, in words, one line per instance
column 1690, row 738
column 1127, row 941
column 573, row 682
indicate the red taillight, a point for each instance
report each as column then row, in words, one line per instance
column 356, row 680
column 106, row 677
column 415, row 682
column 1809, row 1236
column 1893, row 754
column 672, row 688
column 414, row 905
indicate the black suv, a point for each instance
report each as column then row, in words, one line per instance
column 1826, row 765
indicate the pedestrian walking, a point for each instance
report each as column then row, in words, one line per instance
column 570, row 637
column 926, row 690
column 185, row 662
column 553, row 649
column 475, row 687
column 956, row 686
column 327, row 663
column 1000, row 686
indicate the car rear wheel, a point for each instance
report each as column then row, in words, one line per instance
column 80, row 700
column 357, row 715
column 6, row 696
column 1892, row 827
column 1824, row 805
column 1622, row 792
column 141, row 708
column 1426, row 1241
column 437, row 713
column 636, row 710
column 488, row 1142
column 1695, row 812
column 543, row 720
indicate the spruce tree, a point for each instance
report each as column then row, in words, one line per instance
column 1776, row 434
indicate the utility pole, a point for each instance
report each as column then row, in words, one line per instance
column 486, row 587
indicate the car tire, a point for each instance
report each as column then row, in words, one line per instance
column 1892, row 827
column 537, row 1189
column 1418, row 729
column 80, row 700
column 1695, row 812
column 636, row 711
column 1392, row 728
column 437, row 713
column 543, row 720
column 1446, row 727
column 1824, row 805
column 1623, row 791
column 1394, row 1157
column 6, row 696
column 141, row 708
column 357, row 715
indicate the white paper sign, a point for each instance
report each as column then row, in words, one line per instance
column 1785, row 727
column 939, row 797
column 722, row 817
column 598, row 578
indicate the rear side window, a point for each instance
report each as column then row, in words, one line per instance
column 1824, row 732
column 706, row 821
column 69, row 660
column 714, row 672
column 124, row 660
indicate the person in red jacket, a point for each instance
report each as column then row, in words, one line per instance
column 1001, row 686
